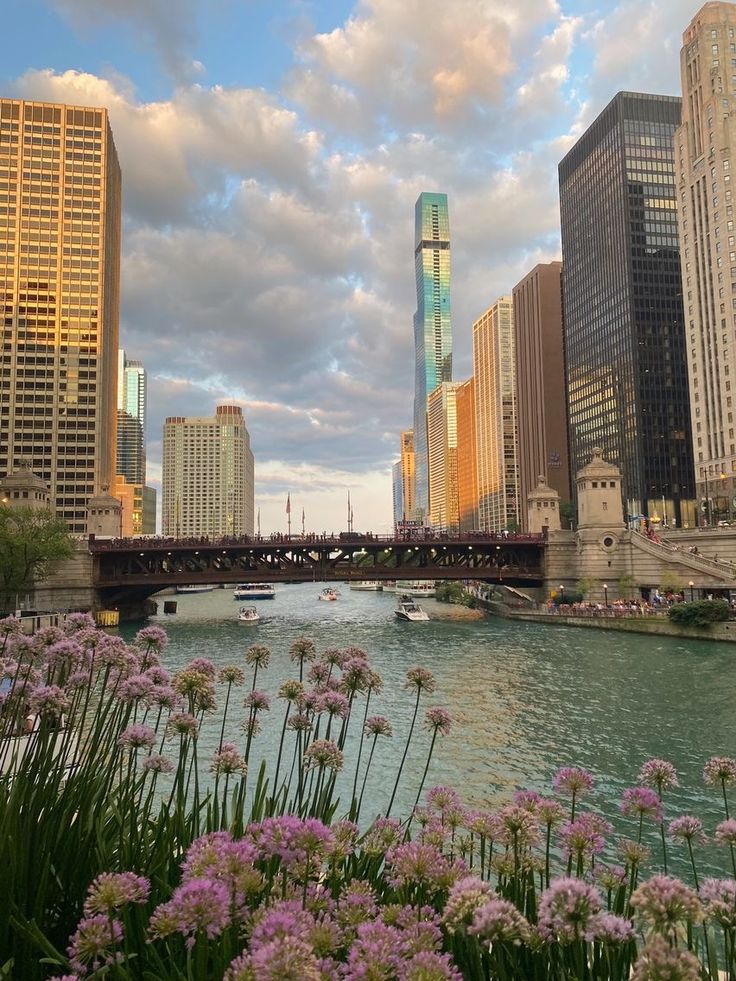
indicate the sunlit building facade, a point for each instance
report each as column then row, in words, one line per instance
column 397, row 486
column 408, row 475
column 705, row 146
column 442, row 442
column 467, row 456
column 207, row 475
column 623, row 308
column 494, row 371
column 59, row 295
column 432, row 325
column 131, row 447
column 541, row 408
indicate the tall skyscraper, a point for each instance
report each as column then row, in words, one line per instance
column 207, row 476
column 624, row 334
column 442, row 443
column 432, row 325
column 467, row 456
column 703, row 148
column 132, row 386
column 397, row 485
column 541, row 409
column 494, row 371
column 408, row 475
column 59, row 293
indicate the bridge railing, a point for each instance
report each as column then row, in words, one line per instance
column 344, row 538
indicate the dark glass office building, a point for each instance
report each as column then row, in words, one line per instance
column 627, row 383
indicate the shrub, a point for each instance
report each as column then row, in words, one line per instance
column 700, row 613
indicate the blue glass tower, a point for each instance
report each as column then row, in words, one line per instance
column 432, row 325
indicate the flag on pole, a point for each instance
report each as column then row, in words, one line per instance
column 288, row 503
column 302, row 515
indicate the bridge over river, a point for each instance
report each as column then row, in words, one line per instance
column 127, row 571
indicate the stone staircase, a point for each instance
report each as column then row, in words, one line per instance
column 722, row 572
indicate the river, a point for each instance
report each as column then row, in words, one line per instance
column 525, row 698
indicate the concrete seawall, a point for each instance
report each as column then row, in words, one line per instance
column 654, row 625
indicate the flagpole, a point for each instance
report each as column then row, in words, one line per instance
column 349, row 511
column 259, row 522
column 302, row 522
column 288, row 513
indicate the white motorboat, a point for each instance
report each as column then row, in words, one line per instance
column 369, row 585
column 416, row 587
column 329, row 595
column 195, row 588
column 409, row 610
column 248, row 614
column 254, row 591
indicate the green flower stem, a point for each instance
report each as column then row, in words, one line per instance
column 406, row 750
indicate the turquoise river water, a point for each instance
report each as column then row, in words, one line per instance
column 525, row 698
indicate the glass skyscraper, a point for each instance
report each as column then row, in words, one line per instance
column 131, row 456
column 432, row 325
column 623, row 311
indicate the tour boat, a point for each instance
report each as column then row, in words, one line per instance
column 195, row 588
column 416, row 587
column 409, row 610
column 329, row 594
column 254, row 591
column 369, row 584
column 248, row 614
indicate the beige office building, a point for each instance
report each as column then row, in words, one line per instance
column 541, row 403
column 207, row 475
column 407, row 463
column 59, row 294
column 495, row 407
column 467, row 456
column 442, row 445
column 705, row 148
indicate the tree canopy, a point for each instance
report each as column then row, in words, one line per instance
column 32, row 543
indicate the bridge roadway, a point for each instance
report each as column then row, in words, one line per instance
column 131, row 570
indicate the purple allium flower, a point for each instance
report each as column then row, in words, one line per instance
column 228, row 760
column 420, row 926
column 415, row 863
column 609, row 929
column 92, row 946
column 719, row 898
column 111, row 890
column 550, row 812
column 334, row 703
column 334, row 657
column 610, row 877
column 197, row 906
column 688, row 828
column 11, row 625
column 382, row 835
column 202, row 665
column 465, row 897
column 217, row 856
column 324, row 753
column 136, row 688
column 438, row 720
column 377, row 725
column 572, row 780
column 74, row 622
column 318, row 674
column 720, row 770
column 419, row 679
column 498, row 920
column 517, row 825
column 302, row 650
column 428, row 965
column 658, row 960
column 183, row 724
column 664, row 902
column 49, row 700
column 726, row 832
column 442, row 798
column 565, row 909
column 299, row 722
column 137, row 736
column 376, row 953
column 356, row 674
column 658, row 774
column 641, row 802
column 158, row 675
column 258, row 656
column 284, row 919
column 153, row 637
column 231, row 674
column 286, row 959
column 196, row 686
column 65, row 654
column 291, row 690
column 155, row 763
column 528, row 799
column 585, row 836
column 165, row 697
column 633, row 852
column 257, row 701
column 357, row 904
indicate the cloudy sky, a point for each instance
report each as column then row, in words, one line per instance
column 272, row 151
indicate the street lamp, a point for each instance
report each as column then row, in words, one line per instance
column 691, row 584
column 562, row 594
column 605, row 593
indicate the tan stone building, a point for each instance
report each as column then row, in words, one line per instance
column 207, row 475
column 705, row 148
column 442, row 443
column 541, row 402
column 467, row 456
column 494, row 371
column 407, row 464
column 59, row 295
